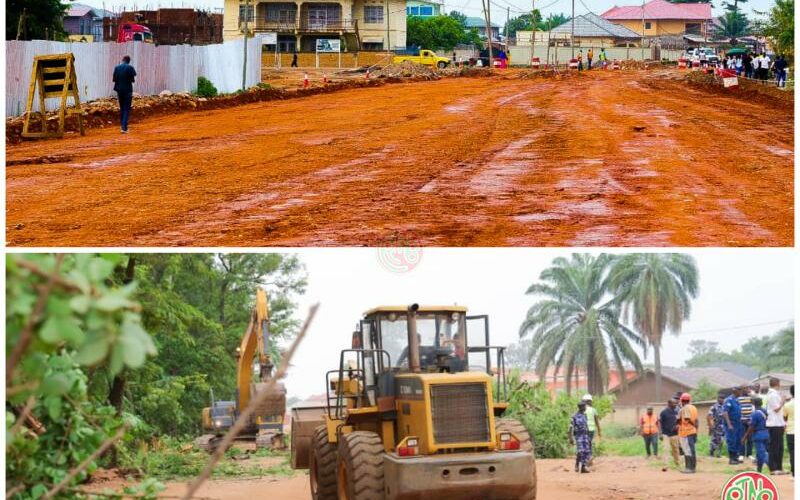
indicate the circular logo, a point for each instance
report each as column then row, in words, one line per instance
column 749, row 485
column 399, row 259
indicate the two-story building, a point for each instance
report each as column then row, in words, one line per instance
column 359, row 24
column 660, row 18
column 423, row 8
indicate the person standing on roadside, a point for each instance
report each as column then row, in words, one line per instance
column 589, row 57
column 603, row 58
column 716, row 426
column 775, row 426
column 580, row 60
column 123, row 77
column 788, row 417
column 294, row 59
column 593, row 421
column 757, row 430
column 732, row 415
column 779, row 67
column 746, row 407
column 649, row 429
column 669, row 428
column 747, row 63
column 579, row 436
column 687, row 430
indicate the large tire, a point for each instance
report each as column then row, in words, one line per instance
column 441, row 65
column 515, row 427
column 360, row 466
column 322, row 466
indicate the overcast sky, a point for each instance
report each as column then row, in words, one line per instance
column 469, row 7
column 738, row 287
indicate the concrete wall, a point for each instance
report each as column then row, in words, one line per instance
column 521, row 55
column 310, row 60
column 166, row 67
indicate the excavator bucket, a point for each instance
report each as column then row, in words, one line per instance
column 275, row 404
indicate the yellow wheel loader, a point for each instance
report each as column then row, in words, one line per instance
column 266, row 427
column 415, row 411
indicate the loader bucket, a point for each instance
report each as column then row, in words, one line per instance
column 304, row 420
column 275, row 404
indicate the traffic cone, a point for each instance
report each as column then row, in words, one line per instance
column 305, row 81
column 324, row 79
column 367, row 75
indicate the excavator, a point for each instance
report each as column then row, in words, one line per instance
column 266, row 425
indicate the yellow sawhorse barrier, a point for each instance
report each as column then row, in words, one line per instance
column 53, row 76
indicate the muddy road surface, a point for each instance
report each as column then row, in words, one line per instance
column 614, row 478
column 628, row 158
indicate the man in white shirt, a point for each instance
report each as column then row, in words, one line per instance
column 775, row 426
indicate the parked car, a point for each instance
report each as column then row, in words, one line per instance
column 704, row 54
column 425, row 57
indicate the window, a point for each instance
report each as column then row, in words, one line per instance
column 647, row 26
column 372, row 46
column 413, row 11
column 693, row 28
column 250, row 13
column 281, row 13
column 373, row 14
column 425, row 10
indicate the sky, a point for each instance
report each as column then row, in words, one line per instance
column 469, row 7
column 738, row 288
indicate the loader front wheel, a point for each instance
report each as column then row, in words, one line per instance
column 360, row 466
column 322, row 466
column 515, row 427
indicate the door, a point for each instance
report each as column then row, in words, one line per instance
column 478, row 357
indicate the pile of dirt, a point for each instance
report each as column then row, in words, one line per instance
column 539, row 74
column 632, row 64
column 407, row 69
column 750, row 90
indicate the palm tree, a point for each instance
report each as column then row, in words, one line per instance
column 576, row 323
column 655, row 292
column 733, row 25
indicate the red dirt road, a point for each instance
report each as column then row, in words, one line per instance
column 615, row 159
column 614, row 478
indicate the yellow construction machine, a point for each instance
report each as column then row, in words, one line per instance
column 414, row 411
column 266, row 426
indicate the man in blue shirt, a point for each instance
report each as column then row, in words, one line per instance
column 669, row 428
column 758, row 431
column 732, row 414
column 124, row 76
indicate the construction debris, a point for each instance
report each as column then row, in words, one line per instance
column 406, row 69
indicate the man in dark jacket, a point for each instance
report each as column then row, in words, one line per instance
column 124, row 76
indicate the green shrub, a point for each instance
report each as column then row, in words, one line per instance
column 205, row 88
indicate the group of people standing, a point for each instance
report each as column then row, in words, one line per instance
column 602, row 57
column 745, row 421
column 758, row 67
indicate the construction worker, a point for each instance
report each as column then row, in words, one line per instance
column 579, row 436
column 589, row 56
column 732, row 415
column 687, row 430
column 123, row 77
column 758, row 430
column 669, row 428
column 649, row 429
column 580, row 60
column 603, row 58
column 716, row 426
column 592, row 419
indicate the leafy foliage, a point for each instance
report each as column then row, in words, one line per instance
column 205, row 88
column 706, row 391
column 525, row 22
column 576, row 323
column 733, row 24
column 547, row 418
column 768, row 353
column 780, row 27
column 436, row 33
column 65, row 316
column 42, row 20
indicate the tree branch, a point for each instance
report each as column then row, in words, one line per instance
column 245, row 416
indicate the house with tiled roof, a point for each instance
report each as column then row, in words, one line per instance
column 594, row 31
column 84, row 23
column 641, row 389
column 660, row 18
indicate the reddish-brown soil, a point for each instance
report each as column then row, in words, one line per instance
column 613, row 478
column 630, row 158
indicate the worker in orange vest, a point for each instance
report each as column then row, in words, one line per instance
column 650, row 428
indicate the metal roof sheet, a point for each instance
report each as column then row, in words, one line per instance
column 592, row 25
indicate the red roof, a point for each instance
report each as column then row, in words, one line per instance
column 558, row 382
column 660, row 9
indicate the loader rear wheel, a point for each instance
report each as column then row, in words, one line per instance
column 515, row 427
column 360, row 466
column 322, row 466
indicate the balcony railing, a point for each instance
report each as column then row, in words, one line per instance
column 305, row 25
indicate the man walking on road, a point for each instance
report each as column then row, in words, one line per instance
column 650, row 428
column 124, row 76
column 716, row 426
column 775, row 426
column 592, row 420
column 579, row 436
column 669, row 428
column 733, row 425
column 687, row 430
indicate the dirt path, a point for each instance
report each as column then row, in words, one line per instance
column 614, row 478
column 616, row 159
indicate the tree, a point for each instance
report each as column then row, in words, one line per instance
column 733, row 25
column 552, row 21
column 655, row 292
column 519, row 356
column 767, row 353
column 704, row 353
column 459, row 16
column 435, row 33
column 780, row 27
column 523, row 23
column 733, row 7
column 41, row 19
column 575, row 325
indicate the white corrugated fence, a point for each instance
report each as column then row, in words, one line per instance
column 163, row 67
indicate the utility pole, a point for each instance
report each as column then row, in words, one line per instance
column 533, row 27
column 388, row 45
column 488, row 20
column 244, row 65
column 642, row 42
column 572, row 31
column 508, row 18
